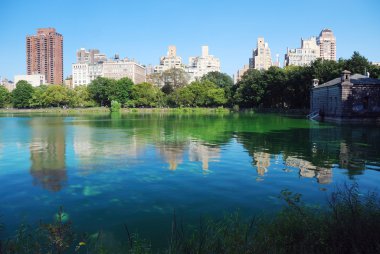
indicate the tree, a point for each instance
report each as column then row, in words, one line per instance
column 80, row 97
column 146, row 94
column 357, row 64
column 175, row 78
column 22, row 94
column 120, row 90
column 98, row 90
column 4, row 96
column 250, row 89
column 221, row 80
column 56, row 96
column 38, row 97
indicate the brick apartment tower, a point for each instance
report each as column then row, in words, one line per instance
column 44, row 55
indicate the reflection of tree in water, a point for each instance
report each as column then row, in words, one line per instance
column 47, row 153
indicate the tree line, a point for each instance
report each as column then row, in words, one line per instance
column 287, row 87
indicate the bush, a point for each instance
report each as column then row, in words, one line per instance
column 115, row 106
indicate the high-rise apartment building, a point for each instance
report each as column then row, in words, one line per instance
column 88, row 67
column 44, row 55
column 261, row 57
column 171, row 60
column 327, row 45
column 201, row 65
column 303, row 56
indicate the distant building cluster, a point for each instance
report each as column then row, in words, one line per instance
column 323, row 47
column 197, row 67
column 92, row 64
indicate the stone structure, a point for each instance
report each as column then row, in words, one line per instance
column 348, row 97
column 308, row 53
column 261, row 57
column 44, row 55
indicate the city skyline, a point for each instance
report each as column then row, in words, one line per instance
column 230, row 29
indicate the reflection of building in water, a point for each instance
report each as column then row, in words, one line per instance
column 349, row 159
column 47, row 153
column 262, row 162
column 206, row 154
column 308, row 170
column 92, row 148
column 172, row 153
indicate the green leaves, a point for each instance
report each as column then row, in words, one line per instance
column 22, row 94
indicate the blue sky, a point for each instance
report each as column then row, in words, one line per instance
column 143, row 29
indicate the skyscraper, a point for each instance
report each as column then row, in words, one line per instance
column 327, row 44
column 44, row 55
column 261, row 58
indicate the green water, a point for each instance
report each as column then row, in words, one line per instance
column 107, row 170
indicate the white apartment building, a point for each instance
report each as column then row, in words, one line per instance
column 171, row 60
column 201, row 65
column 34, row 79
column 303, row 56
column 92, row 64
column 7, row 84
column 117, row 69
column 327, row 45
column 261, row 57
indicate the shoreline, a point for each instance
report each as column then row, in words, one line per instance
column 185, row 110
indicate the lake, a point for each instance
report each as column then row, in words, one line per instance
column 137, row 169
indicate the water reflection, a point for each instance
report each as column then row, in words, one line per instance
column 47, row 153
column 314, row 150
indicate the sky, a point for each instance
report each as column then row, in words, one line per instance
column 144, row 29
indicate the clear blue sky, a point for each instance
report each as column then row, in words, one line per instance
column 143, row 29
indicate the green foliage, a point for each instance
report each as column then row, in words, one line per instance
column 56, row 96
column 199, row 94
column 221, row 80
column 5, row 96
column 174, row 78
column 38, row 97
column 115, row 106
column 99, row 90
column 80, row 97
column 22, row 94
column 357, row 64
column 146, row 95
column 250, row 89
column 119, row 90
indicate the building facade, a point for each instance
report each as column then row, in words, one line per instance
column 350, row 96
column 240, row 73
column 88, row 67
column 201, row 65
column 171, row 60
column 7, row 84
column 44, row 55
column 309, row 52
column 35, row 79
column 327, row 44
column 117, row 69
column 261, row 57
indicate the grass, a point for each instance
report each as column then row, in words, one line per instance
column 349, row 224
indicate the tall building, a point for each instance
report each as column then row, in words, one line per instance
column 261, row 57
column 171, row 60
column 240, row 73
column 44, row 55
column 308, row 53
column 201, row 65
column 327, row 45
column 88, row 67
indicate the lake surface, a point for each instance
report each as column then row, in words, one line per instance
column 137, row 169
